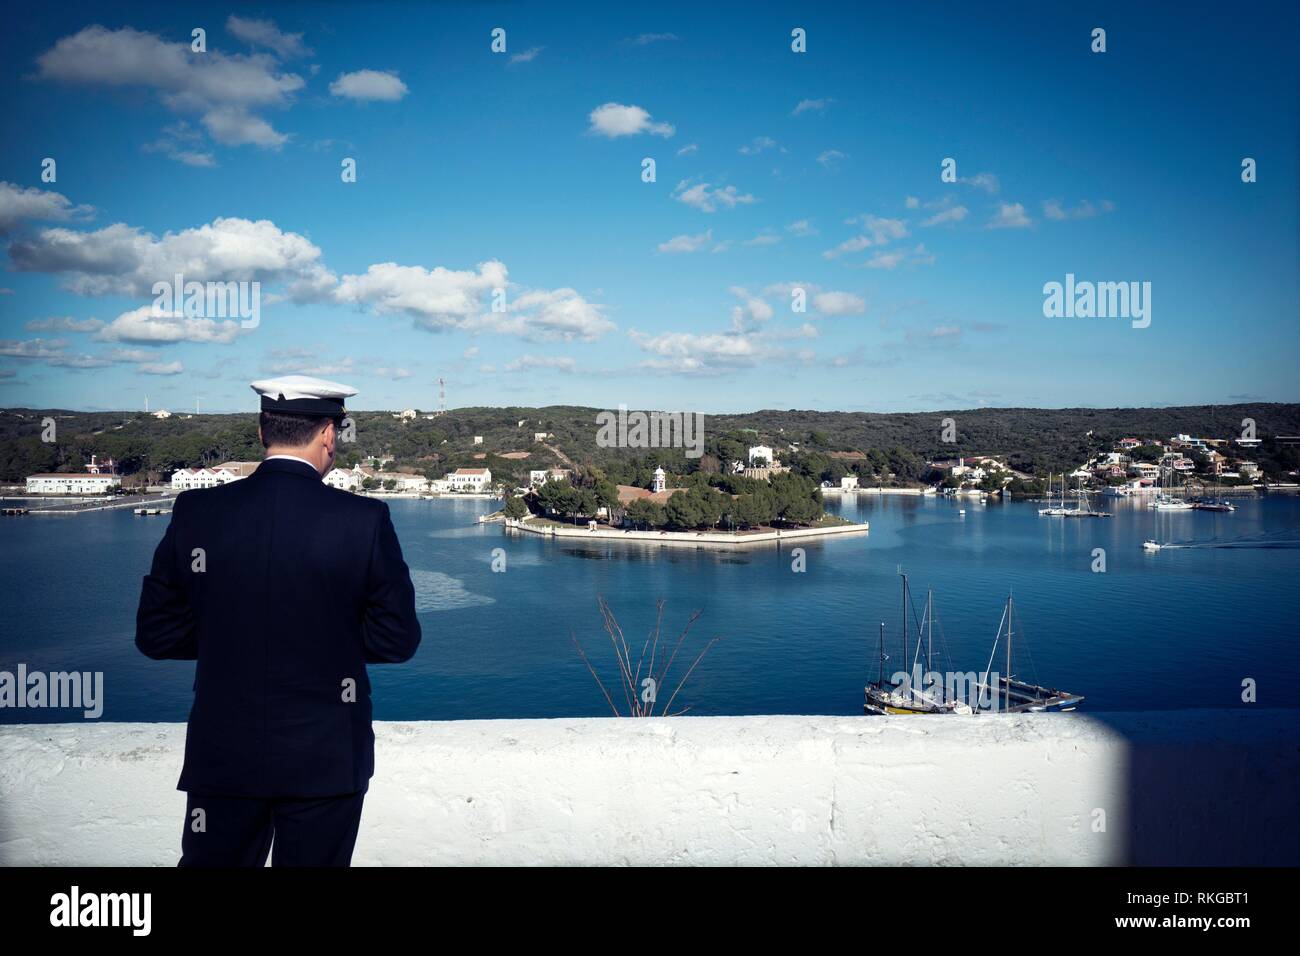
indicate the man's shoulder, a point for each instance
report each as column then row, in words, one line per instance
column 360, row 504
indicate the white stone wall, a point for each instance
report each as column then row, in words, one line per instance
column 1175, row 787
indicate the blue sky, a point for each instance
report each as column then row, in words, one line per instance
column 523, row 170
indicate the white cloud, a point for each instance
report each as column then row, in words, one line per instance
column 1010, row 216
column 752, row 312
column 692, row 353
column 183, row 143
column 64, row 324
column 831, row 158
column 686, row 243
column 528, row 363
column 18, row 203
column 147, row 326
column 645, row 39
column 232, row 126
column 912, row 202
column 918, row 256
column 221, row 88
column 266, row 33
column 757, row 145
column 949, row 215
column 816, row 106
column 705, row 198
column 802, row 227
column 1053, row 209
column 985, row 181
column 528, row 55
column 688, row 149
column 437, row 299
column 763, row 239
column 856, row 244
column 555, row 315
column 882, row 230
column 615, row 120
column 32, row 348
column 367, row 85
column 839, row 303
column 121, row 259
column 53, row 352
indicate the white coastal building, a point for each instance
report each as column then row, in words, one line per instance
column 540, row 476
column 470, row 479
column 99, row 478
column 405, row 483
column 349, row 479
column 188, row 479
column 761, row 451
column 72, row 483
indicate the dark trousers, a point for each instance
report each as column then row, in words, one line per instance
column 239, row 831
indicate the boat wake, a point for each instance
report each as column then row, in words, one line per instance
column 1245, row 543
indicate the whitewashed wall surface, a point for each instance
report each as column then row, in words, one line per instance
column 1175, row 787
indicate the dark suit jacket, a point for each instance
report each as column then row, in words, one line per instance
column 301, row 586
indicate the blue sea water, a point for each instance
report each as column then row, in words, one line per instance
column 1178, row 629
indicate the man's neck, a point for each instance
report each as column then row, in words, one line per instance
column 299, row 454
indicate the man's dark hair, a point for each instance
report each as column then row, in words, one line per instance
column 279, row 428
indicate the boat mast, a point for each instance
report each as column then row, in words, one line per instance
column 1008, row 677
column 904, row 620
column 880, row 682
column 929, row 617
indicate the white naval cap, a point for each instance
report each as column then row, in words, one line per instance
column 303, row 395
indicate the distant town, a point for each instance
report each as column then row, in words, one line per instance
column 546, row 467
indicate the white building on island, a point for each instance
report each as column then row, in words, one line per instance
column 763, row 452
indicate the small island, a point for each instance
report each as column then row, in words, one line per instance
column 759, row 501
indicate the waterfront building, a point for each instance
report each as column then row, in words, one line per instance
column 72, row 483
column 763, row 452
column 470, row 479
column 349, row 479
column 189, row 479
column 659, row 482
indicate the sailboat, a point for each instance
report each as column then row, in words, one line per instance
column 1083, row 509
column 1012, row 696
column 1051, row 510
column 886, row 697
column 1165, row 501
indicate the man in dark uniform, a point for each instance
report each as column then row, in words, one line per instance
column 282, row 589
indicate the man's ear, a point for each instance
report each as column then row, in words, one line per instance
column 260, row 439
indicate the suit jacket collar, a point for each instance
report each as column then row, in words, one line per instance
column 288, row 466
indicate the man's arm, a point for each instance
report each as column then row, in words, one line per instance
column 390, row 630
column 164, row 622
